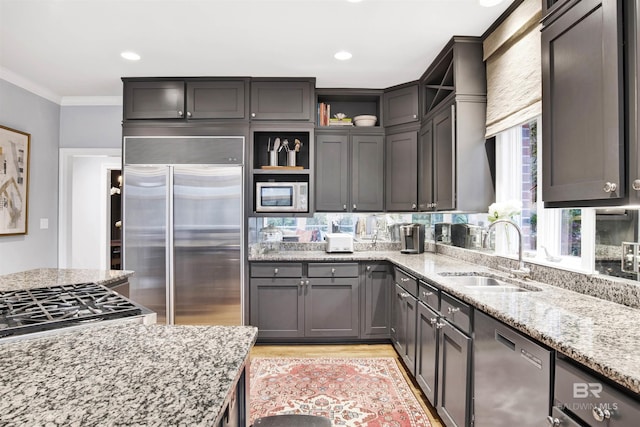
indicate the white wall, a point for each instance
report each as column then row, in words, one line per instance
column 24, row 111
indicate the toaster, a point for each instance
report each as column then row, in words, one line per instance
column 338, row 242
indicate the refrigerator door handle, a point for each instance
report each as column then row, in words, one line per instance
column 170, row 251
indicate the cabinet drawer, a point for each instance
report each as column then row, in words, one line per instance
column 430, row 295
column 333, row 270
column 408, row 282
column 456, row 312
column 276, row 270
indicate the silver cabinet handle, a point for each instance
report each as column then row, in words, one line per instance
column 636, row 185
column 415, row 116
column 404, row 279
column 180, row 113
column 451, row 310
column 253, row 114
column 188, row 113
column 354, row 206
column 306, row 283
column 426, row 294
column 554, row 422
column 439, row 325
column 275, row 271
column 333, row 271
column 344, row 207
column 433, row 321
column 600, row 414
column 404, row 295
column 368, row 268
column 414, row 206
column 301, row 282
column 610, row 187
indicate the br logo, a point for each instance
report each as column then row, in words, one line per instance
column 584, row 390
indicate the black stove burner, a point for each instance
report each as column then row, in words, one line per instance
column 42, row 309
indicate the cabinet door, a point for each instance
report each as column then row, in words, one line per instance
column 331, row 307
column 427, row 352
column 409, row 356
column 398, row 316
column 217, row 99
column 401, row 174
column 454, row 386
column 367, row 173
column 401, row 105
column 154, row 100
column 281, row 100
column 425, row 167
column 332, row 172
column 376, row 301
column 277, row 307
column 582, row 112
column 444, row 160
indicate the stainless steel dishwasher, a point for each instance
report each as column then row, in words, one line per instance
column 512, row 376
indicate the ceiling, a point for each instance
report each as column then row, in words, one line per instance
column 70, row 49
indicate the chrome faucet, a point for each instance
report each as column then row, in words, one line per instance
column 522, row 271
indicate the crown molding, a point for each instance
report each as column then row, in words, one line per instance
column 28, row 85
column 91, row 100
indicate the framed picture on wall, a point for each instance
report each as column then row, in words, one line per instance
column 14, row 180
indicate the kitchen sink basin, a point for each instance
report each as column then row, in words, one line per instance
column 488, row 282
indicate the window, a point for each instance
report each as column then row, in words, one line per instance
column 549, row 235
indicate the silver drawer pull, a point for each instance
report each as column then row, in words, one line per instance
column 451, row 310
column 433, row 321
column 275, row 271
column 426, row 294
column 404, row 295
column 333, row 271
column 440, row 325
column 404, row 279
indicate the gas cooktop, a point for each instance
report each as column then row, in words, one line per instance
column 44, row 309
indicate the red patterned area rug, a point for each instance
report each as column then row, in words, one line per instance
column 351, row 392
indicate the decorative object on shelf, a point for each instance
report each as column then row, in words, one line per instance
column 365, row 120
column 340, row 119
column 14, row 180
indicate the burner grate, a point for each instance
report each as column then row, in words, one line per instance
column 34, row 310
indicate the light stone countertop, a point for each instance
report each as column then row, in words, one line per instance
column 600, row 334
column 124, row 374
column 43, row 277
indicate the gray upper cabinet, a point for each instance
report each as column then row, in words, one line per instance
column 186, row 99
column 154, row 99
column 349, row 171
column 582, row 112
column 436, row 162
column 401, row 172
column 401, row 105
column 282, row 99
column 454, row 159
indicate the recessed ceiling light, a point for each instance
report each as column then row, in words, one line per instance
column 131, row 56
column 354, row 1
column 489, row 3
column 343, row 55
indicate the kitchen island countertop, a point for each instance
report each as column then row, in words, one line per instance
column 603, row 335
column 43, row 277
column 123, row 375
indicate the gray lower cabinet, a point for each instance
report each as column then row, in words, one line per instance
column 427, row 352
column 349, row 172
column 582, row 113
column 375, row 301
column 293, row 301
column 401, row 172
column 404, row 314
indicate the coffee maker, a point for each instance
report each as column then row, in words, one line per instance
column 412, row 238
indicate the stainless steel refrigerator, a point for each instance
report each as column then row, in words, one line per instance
column 182, row 227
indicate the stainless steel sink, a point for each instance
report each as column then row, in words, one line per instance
column 488, row 282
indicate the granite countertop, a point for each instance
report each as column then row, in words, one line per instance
column 43, row 277
column 600, row 334
column 123, row 374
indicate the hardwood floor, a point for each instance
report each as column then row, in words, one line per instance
column 358, row 350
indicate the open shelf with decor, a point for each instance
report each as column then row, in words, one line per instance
column 348, row 102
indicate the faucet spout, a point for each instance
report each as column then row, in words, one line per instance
column 522, row 270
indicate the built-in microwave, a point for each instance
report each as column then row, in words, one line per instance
column 282, row 197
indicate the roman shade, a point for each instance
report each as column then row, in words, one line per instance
column 514, row 75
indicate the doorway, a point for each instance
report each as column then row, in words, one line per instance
column 84, row 227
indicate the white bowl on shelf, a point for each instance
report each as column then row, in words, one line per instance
column 365, row 120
